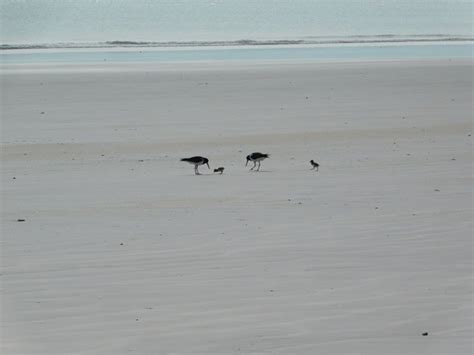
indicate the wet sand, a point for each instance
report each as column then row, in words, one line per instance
column 123, row 250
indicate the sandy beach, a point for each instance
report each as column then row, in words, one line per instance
column 123, row 250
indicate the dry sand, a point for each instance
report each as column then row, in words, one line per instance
column 124, row 251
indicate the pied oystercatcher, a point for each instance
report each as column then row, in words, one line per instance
column 196, row 161
column 256, row 158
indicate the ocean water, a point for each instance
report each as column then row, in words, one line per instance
column 53, row 21
column 257, row 29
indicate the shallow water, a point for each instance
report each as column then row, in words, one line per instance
column 242, row 54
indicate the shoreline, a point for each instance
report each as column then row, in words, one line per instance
column 213, row 65
column 240, row 54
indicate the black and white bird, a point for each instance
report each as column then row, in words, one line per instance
column 314, row 165
column 256, row 158
column 196, row 161
column 219, row 170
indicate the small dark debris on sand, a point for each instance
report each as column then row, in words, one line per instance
column 425, row 334
column 121, row 243
column 14, row 178
column 42, row 112
column 20, row 220
column 437, row 190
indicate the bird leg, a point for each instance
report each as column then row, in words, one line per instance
column 254, row 165
column 196, row 170
column 258, row 169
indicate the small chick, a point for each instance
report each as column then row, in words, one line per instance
column 219, row 170
column 315, row 165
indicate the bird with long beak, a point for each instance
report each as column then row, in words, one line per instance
column 256, row 158
column 196, row 161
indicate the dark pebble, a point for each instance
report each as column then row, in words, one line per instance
column 121, row 243
column 425, row 334
column 20, row 220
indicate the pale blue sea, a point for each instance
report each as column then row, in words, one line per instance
column 232, row 30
